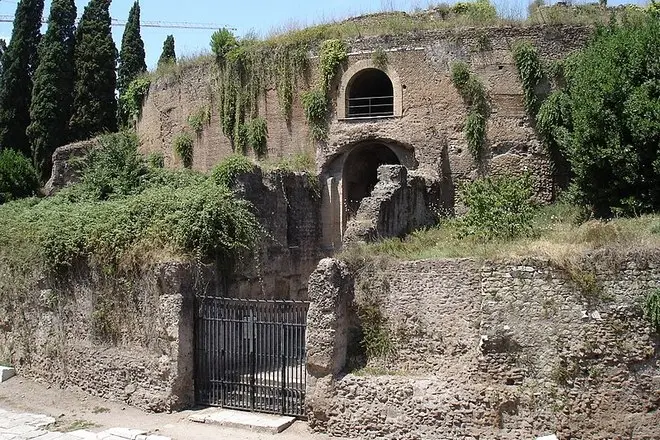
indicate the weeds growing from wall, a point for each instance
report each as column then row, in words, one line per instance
column 379, row 58
column 530, row 71
column 652, row 308
column 199, row 119
column 246, row 69
column 156, row 160
column 183, row 146
column 474, row 94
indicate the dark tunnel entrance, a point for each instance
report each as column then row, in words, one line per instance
column 361, row 172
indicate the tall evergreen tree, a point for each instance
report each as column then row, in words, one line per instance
column 131, row 56
column 52, row 93
column 168, row 55
column 19, row 63
column 95, row 59
column 3, row 49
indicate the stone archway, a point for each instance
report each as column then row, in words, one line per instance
column 350, row 176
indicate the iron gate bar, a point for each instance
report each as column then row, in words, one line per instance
column 250, row 354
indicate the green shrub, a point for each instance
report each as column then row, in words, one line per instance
column 18, row 178
column 475, row 133
column 113, row 169
column 460, row 74
column 223, row 41
column 183, row 146
column 225, row 172
column 652, row 308
column 258, row 136
column 614, row 90
column 479, row 11
column 498, row 208
column 156, row 159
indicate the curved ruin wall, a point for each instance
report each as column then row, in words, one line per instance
column 433, row 112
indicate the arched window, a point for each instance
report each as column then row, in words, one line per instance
column 370, row 93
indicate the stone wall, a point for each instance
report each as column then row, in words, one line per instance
column 287, row 206
column 506, row 350
column 432, row 111
column 125, row 338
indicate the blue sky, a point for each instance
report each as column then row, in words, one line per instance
column 261, row 16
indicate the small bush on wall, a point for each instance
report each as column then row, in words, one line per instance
column 183, row 146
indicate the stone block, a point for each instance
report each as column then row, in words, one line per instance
column 126, row 433
column 6, row 373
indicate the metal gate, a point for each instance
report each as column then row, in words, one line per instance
column 250, row 354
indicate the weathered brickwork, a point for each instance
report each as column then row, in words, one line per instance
column 504, row 351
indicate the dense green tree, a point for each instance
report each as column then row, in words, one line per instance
column 17, row 176
column 607, row 120
column 168, row 55
column 95, row 55
column 131, row 55
column 19, row 63
column 52, row 93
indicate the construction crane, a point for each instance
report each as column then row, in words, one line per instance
column 147, row 24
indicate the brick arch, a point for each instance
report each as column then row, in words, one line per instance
column 354, row 70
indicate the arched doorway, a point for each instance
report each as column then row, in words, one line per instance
column 370, row 94
column 360, row 173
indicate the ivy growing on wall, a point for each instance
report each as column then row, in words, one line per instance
column 246, row 69
column 530, row 71
column 315, row 101
column 652, row 308
column 130, row 102
column 474, row 94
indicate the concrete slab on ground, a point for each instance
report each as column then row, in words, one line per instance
column 267, row 423
column 6, row 373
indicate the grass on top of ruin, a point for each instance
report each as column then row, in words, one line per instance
column 556, row 235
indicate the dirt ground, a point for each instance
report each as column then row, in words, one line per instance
column 74, row 409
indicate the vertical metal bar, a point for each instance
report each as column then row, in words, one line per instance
column 283, row 357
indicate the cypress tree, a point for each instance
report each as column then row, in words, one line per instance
column 95, row 59
column 50, row 109
column 131, row 56
column 168, row 55
column 19, row 63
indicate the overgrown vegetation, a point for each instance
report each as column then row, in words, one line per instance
column 606, row 120
column 530, row 71
column 225, row 172
column 474, row 94
column 652, row 308
column 18, row 178
column 246, row 67
column 498, row 208
column 183, row 146
column 555, row 235
column 124, row 213
column 258, row 136
column 200, row 118
column 130, row 102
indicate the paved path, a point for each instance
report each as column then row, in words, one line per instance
column 26, row 426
